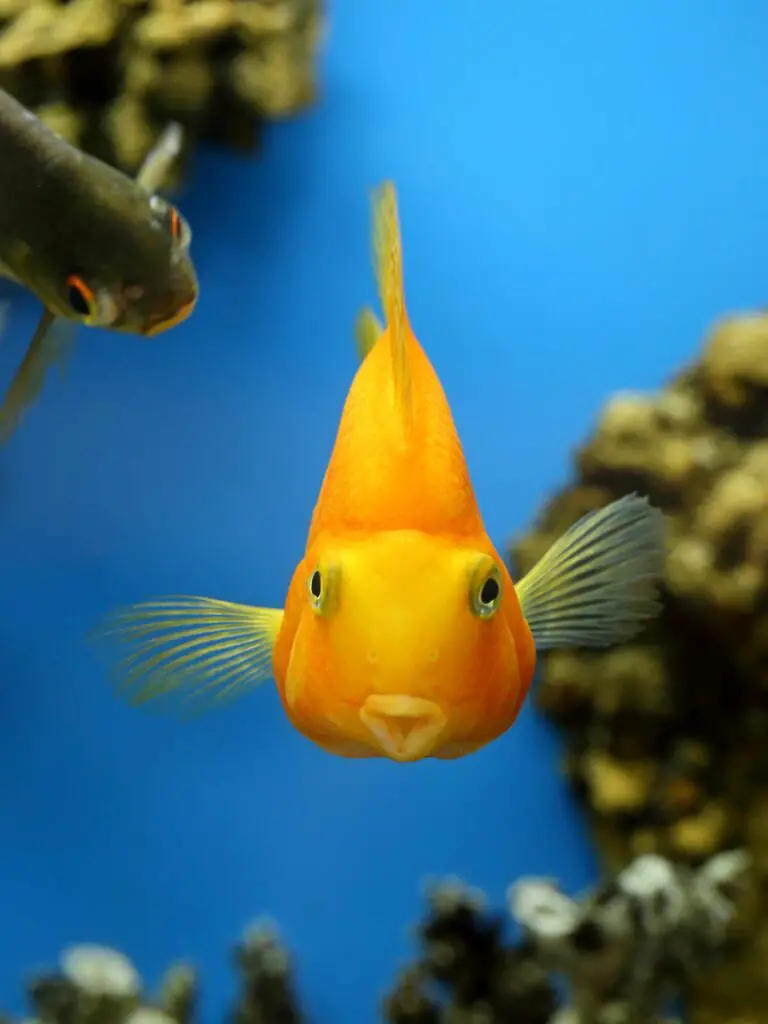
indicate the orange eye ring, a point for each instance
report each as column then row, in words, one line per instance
column 176, row 228
column 179, row 228
column 81, row 298
column 171, row 219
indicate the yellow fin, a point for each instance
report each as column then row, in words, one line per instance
column 191, row 648
column 368, row 330
column 598, row 584
column 388, row 260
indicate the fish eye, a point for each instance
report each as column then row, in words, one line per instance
column 486, row 591
column 80, row 297
column 323, row 587
column 95, row 307
column 315, row 587
column 176, row 225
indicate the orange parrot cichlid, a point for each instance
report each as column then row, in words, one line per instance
column 403, row 635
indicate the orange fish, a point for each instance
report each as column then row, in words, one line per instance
column 403, row 635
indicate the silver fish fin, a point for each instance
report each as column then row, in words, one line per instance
column 158, row 162
column 5, row 271
column 194, row 651
column 53, row 341
column 598, row 584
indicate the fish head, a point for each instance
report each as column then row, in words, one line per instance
column 161, row 282
column 129, row 268
column 404, row 648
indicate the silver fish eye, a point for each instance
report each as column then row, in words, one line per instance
column 172, row 221
column 186, row 232
column 96, row 307
column 157, row 204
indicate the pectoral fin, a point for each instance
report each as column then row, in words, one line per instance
column 597, row 585
column 190, row 649
column 53, row 341
column 5, row 271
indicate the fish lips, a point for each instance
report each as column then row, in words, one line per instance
column 165, row 322
column 404, row 728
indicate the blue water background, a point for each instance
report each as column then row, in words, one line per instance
column 583, row 188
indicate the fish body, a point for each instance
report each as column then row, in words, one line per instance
column 95, row 246
column 403, row 634
column 92, row 243
column 400, row 544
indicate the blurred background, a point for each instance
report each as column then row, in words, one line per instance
column 582, row 190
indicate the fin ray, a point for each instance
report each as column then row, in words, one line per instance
column 598, row 584
column 52, row 342
column 160, row 158
column 388, row 260
column 189, row 649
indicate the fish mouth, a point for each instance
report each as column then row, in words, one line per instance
column 164, row 323
column 404, row 728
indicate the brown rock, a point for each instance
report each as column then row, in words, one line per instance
column 110, row 74
column 615, row 787
column 699, row 836
column 667, row 738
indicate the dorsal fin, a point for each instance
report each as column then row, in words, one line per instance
column 368, row 330
column 388, row 262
